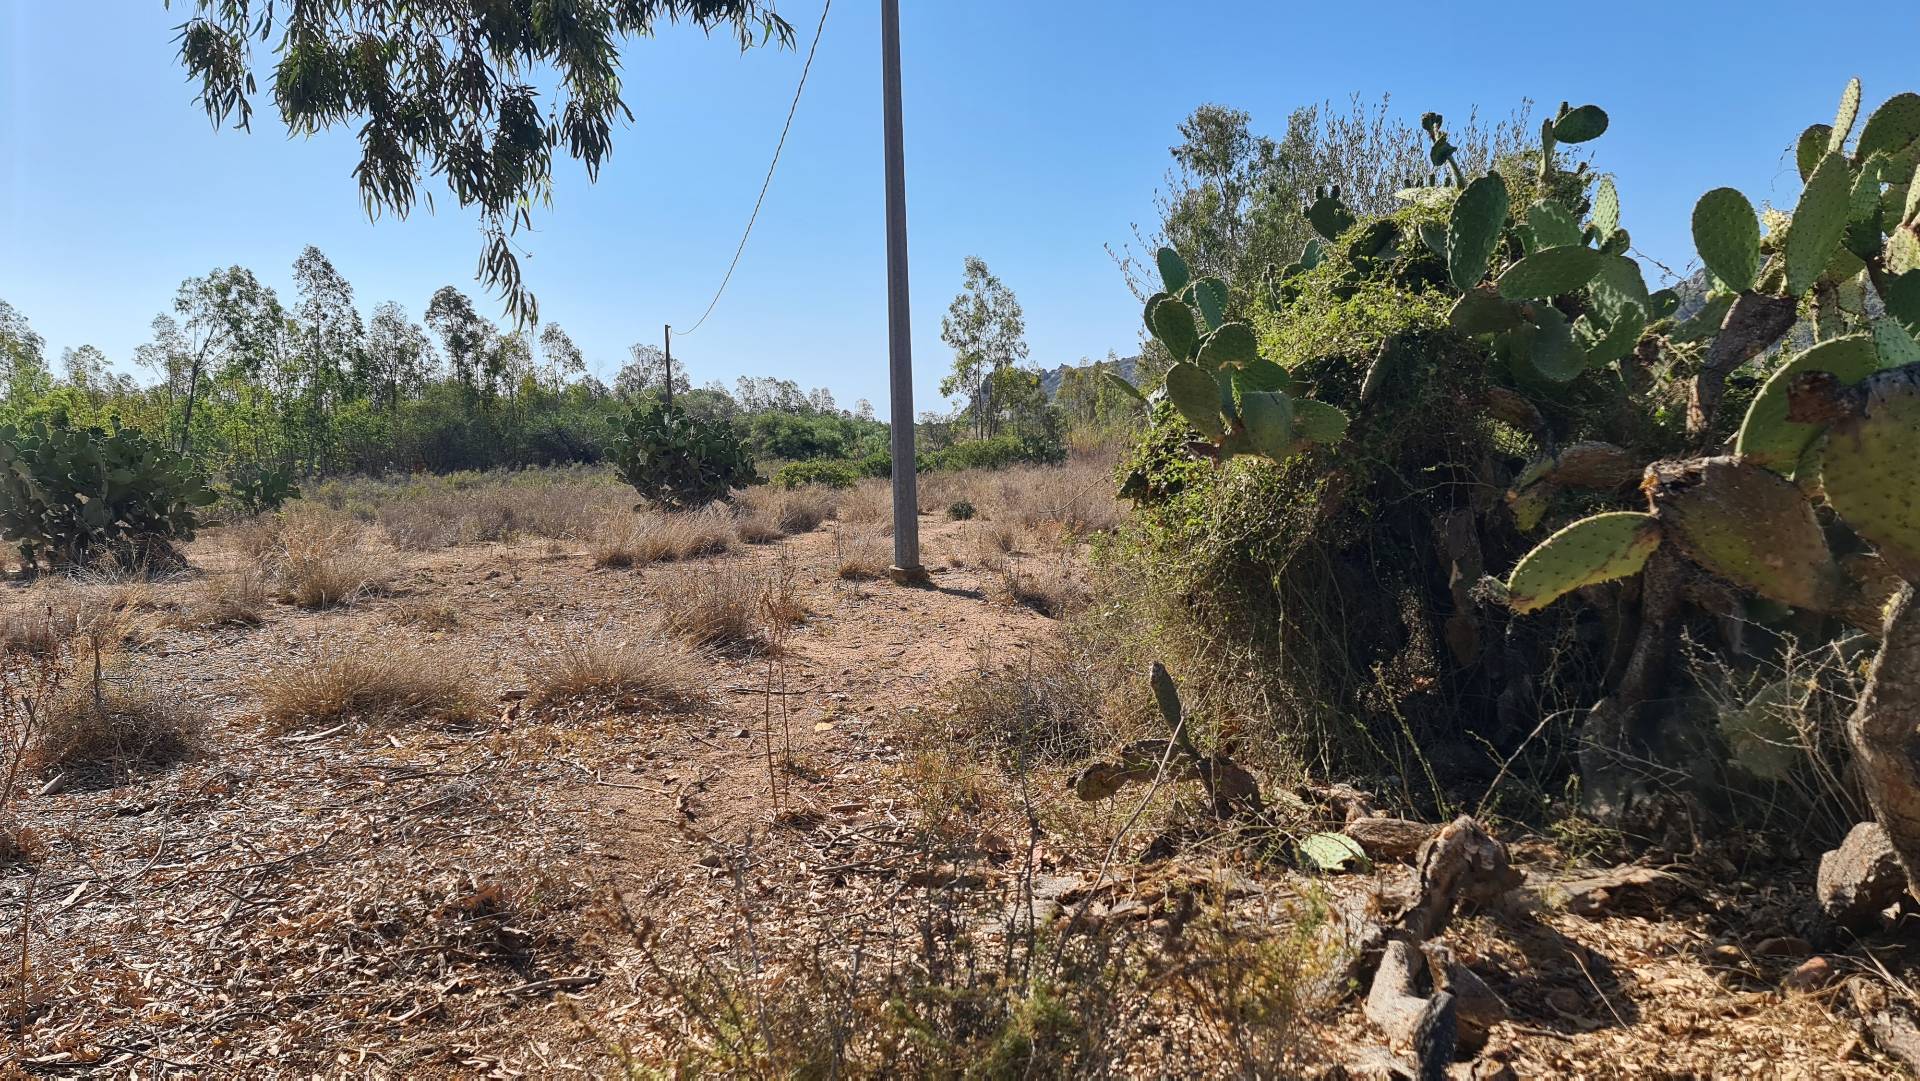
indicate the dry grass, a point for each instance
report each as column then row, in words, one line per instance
column 624, row 670
column 117, row 726
column 236, row 599
column 1050, row 589
column 767, row 513
column 729, row 607
column 427, row 614
column 427, row 512
column 31, row 632
column 326, row 560
column 861, row 553
column 868, row 502
column 379, row 683
column 637, row 538
column 1046, row 704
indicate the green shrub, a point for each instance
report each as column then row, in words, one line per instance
column 877, row 464
column 73, row 495
column 960, row 511
column 257, row 489
column 999, row 452
column 828, row 473
column 677, row 462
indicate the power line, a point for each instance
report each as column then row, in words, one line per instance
column 768, row 182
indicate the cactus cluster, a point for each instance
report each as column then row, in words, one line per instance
column 676, row 462
column 253, row 488
column 73, row 496
column 1238, row 401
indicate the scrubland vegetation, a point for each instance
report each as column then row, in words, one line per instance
column 1453, row 647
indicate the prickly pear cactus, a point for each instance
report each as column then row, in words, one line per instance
column 1727, row 233
column 1767, row 437
column 676, row 462
column 71, row 496
column 1868, row 467
column 1747, row 525
column 1473, row 230
column 1588, row 552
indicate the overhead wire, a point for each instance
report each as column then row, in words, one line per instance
column 792, row 108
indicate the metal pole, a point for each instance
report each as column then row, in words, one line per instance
column 668, row 334
column 906, row 497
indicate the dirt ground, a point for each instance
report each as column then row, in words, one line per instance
column 555, row 892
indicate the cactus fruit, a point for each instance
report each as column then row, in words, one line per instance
column 1767, row 438
column 1727, row 235
column 1550, row 273
column 1231, row 345
column 1197, row 395
column 1173, row 269
column 1268, row 419
column 1172, row 323
column 1580, row 125
column 1606, row 208
column 1210, row 296
column 1867, row 469
column 1747, row 525
column 1892, row 128
column 1551, row 225
column 1473, row 230
column 1819, row 220
column 1588, row 552
column 1848, row 113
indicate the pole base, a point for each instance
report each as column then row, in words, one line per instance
column 910, row 576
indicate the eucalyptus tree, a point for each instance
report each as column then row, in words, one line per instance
column 23, row 362
column 228, row 319
column 986, row 329
column 448, row 88
column 464, row 335
column 331, row 364
column 399, row 355
column 565, row 362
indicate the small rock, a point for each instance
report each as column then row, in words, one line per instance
column 1783, row 946
column 1860, row 878
column 1390, row 840
column 1813, row 974
column 1622, row 891
column 1567, row 1002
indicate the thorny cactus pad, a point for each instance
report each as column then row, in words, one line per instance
column 1749, row 526
column 1588, row 552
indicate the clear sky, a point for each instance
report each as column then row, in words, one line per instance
column 1036, row 134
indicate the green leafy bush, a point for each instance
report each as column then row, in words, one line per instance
column 71, row 496
column 677, row 462
column 961, row 511
column 831, row 474
column 998, row 453
column 258, row 489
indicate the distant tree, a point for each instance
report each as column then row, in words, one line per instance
column 229, row 321
column 987, row 331
column 463, row 334
column 23, row 361
column 400, row 354
column 863, row 409
column 646, row 370
column 565, row 362
column 448, row 88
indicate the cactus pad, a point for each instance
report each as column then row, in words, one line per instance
column 1262, row 374
column 1197, row 395
column 1606, row 208
column 1210, row 296
column 1727, row 235
column 1868, row 468
column 1552, row 225
column 1849, row 112
column 1122, row 385
column 1580, row 125
column 1588, row 552
column 1767, row 437
column 1172, row 323
column 1891, row 128
column 1810, row 148
column 1481, row 311
column 1173, row 269
column 1473, row 230
column 1231, row 345
column 1268, row 416
column 1550, row 273
column 1329, row 216
column 1903, row 301
column 1318, row 422
column 1747, row 525
column 1819, row 220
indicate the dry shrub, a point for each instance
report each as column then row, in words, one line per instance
column 236, row 599
column 629, row 671
column 379, row 683
column 870, row 501
column 757, row 527
column 324, row 560
column 861, row 553
column 728, row 607
column 786, row 510
column 115, row 726
column 638, row 538
column 30, row 632
column 1073, row 500
column 1051, row 590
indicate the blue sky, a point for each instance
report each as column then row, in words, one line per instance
column 1036, row 134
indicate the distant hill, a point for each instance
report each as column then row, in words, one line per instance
column 1050, row 380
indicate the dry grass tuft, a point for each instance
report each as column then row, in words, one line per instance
column 729, row 607
column 377, row 683
column 237, row 599
column 870, row 501
column 31, row 632
column 116, row 726
column 426, row 614
column 1051, row 590
column 1045, row 705
column 637, row 538
column 325, row 560
column 861, row 553
column 627, row 671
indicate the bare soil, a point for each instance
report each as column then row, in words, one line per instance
column 532, row 894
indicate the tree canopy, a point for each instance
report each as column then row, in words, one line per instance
column 447, row 88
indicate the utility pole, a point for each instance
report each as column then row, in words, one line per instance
column 667, row 333
column 906, row 568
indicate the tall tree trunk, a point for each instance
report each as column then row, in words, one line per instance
column 1885, row 733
